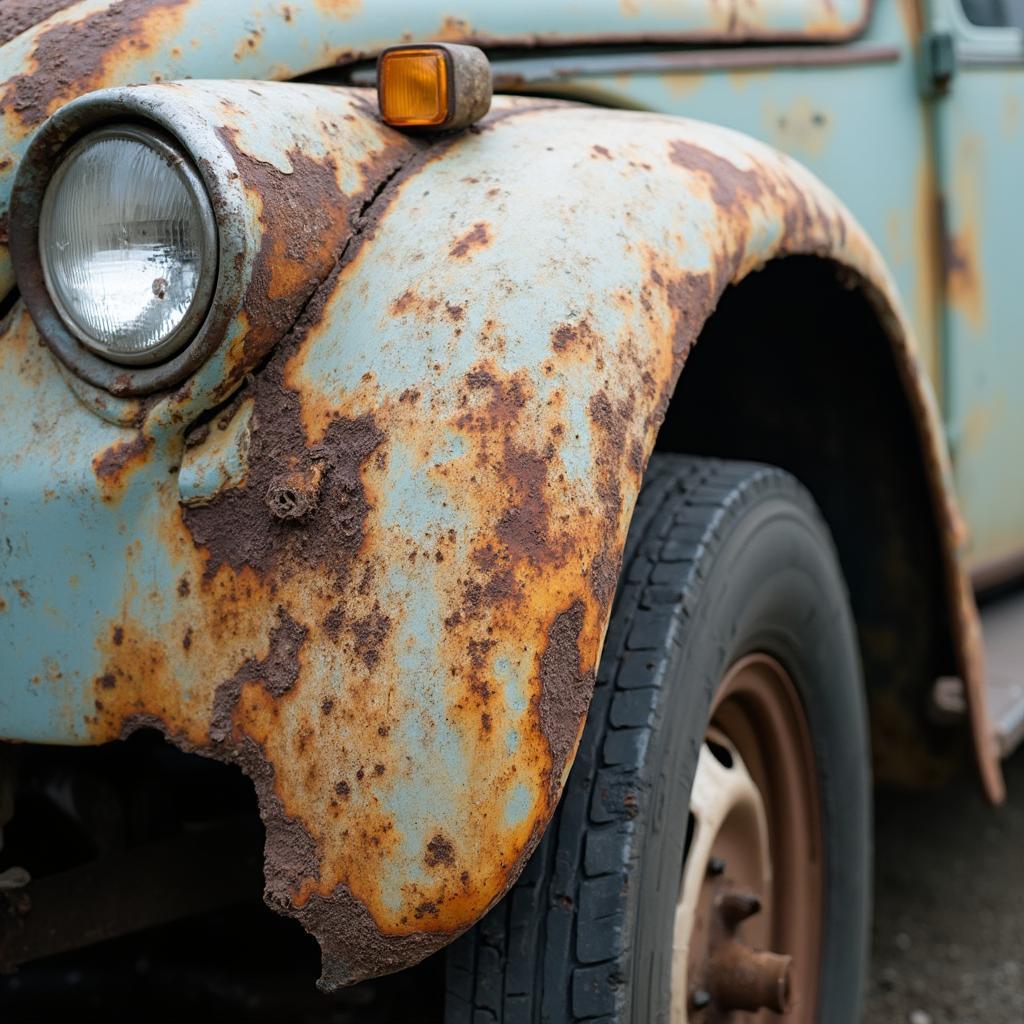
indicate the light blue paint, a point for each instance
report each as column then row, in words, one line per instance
column 511, row 741
column 518, row 805
column 517, row 700
column 206, row 470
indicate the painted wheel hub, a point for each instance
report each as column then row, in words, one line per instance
column 747, row 935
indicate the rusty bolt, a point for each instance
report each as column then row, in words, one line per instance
column 295, row 494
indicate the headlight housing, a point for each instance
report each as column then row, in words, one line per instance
column 127, row 245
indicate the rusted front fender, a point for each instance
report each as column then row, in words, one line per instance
column 379, row 580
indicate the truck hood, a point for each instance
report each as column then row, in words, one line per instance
column 55, row 50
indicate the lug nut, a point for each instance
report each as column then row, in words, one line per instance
column 736, row 906
column 745, row 979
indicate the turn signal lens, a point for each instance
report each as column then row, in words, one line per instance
column 413, row 87
column 433, row 86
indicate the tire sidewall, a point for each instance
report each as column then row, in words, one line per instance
column 774, row 587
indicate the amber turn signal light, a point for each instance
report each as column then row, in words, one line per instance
column 433, row 86
column 413, row 87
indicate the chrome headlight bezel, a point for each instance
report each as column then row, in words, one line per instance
column 180, row 165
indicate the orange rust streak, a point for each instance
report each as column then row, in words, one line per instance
column 963, row 251
column 927, row 255
column 912, row 18
column 478, row 237
column 341, row 8
column 114, row 465
column 963, row 246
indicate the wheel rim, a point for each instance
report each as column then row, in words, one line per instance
column 748, row 925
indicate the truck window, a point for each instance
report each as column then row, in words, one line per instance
column 995, row 13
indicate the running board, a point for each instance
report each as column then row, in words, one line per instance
column 1002, row 624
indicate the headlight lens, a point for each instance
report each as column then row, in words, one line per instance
column 128, row 245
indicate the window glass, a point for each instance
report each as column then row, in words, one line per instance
column 995, row 13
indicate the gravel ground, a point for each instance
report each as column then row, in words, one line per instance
column 949, row 907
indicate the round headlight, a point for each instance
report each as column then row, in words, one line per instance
column 128, row 245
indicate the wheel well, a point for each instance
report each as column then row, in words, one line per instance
column 795, row 369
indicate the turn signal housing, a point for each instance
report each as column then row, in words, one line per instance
column 433, row 86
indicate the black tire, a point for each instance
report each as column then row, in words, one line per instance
column 722, row 559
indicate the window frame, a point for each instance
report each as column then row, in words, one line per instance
column 979, row 45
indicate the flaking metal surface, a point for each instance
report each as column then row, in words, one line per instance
column 403, row 664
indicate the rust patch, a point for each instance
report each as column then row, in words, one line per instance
column 339, row 8
column 21, row 15
column 480, row 379
column 961, row 253
column 477, row 238
column 960, row 269
column 603, row 577
column 569, row 336
column 730, row 186
column 277, row 672
column 370, row 633
column 611, row 425
column 565, row 689
column 73, row 57
column 296, row 494
column 439, row 851
column 352, row 944
column 114, row 464
column 237, row 529
column 691, row 297
column 306, row 220
column 523, row 527
column 333, row 622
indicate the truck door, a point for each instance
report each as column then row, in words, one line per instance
column 980, row 152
